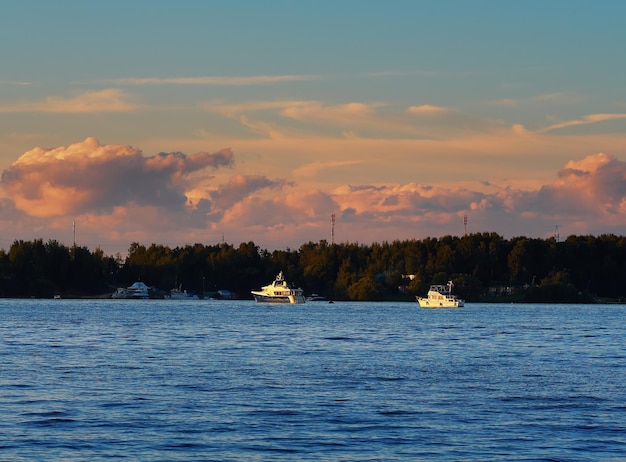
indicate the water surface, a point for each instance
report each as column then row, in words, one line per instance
column 225, row 380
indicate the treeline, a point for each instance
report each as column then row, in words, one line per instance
column 482, row 266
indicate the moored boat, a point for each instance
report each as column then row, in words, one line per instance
column 279, row 292
column 316, row 298
column 440, row 296
column 181, row 294
column 136, row 291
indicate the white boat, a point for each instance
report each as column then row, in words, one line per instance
column 440, row 296
column 316, row 298
column 179, row 294
column 137, row 291
column 279, row 292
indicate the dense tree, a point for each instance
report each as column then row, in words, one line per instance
column 543, row 269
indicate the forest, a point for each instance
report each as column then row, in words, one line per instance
column 483, row 267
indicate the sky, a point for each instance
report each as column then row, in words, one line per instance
column 187, row 122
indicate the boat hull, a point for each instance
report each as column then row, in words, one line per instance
column 130, row 296
column 427, row 303
column 289, row 299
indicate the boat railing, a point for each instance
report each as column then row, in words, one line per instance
column 443, row 289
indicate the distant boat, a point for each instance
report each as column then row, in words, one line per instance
column 137, row 291
column 440, row 296
column 179, row 294
column 279, row 292
column 316, row 298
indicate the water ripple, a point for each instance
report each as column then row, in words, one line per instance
column 161, row 381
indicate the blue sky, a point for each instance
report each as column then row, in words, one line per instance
column 400, row 117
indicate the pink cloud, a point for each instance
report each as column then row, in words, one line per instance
column 119, row 195
column 594, row 187
column 240, row 187
column 428, row 109
column 586, row 196
column 87, row 177
column 298, row 117
column 586, row 120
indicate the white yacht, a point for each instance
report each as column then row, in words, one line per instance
column 440, row 296
column 137, row 291
column 279, row 292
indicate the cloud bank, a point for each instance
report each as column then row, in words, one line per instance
column 122, row 195
column 87, row 177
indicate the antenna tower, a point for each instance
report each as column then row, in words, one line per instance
column 465, row 223
column 332, row 229
column 556, row 233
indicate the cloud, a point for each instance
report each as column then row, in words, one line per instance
column 407, row 202
column 235, row 110
column 107, row 100
column 87, row 177
column 119, row 195
column 296, row 209
column 313, row 169
column 585, row 196
column 216, row 80
column 299, row 118
column 346, row 117
column 336, row 113
column 427, row 109
column 240, row 187
column 586, row 120
column 542, row 98
column 443, row 121
column 594, row 188
column 294, row 109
